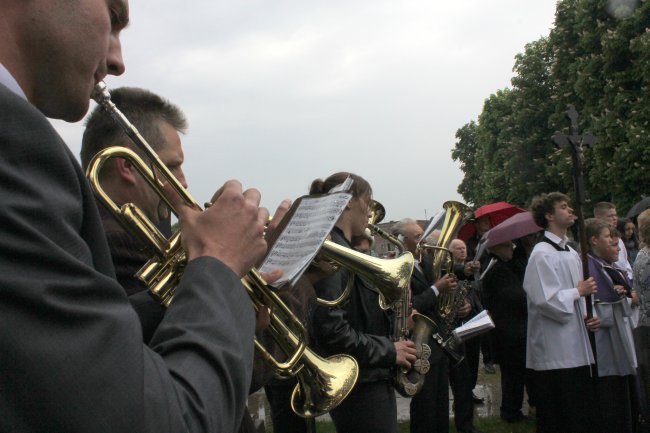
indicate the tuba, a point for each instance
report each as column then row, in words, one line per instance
column 456, row 214
column 322, row 383
column 407, row 382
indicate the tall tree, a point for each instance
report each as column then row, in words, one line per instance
column 594, row 60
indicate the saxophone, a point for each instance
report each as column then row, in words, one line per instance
column 407, row 382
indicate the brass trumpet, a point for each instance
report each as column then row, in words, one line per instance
column 322, row 383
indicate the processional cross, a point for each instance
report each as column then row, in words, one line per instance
column 577, row 143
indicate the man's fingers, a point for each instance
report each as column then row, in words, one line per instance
column 405, row 364
column 231, row 186
column 262, row 216
column 253, row 195
column 271, row 277
column 279, row 214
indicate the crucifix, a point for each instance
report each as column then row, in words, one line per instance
column 577, row 142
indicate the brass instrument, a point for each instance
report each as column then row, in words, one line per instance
column 406, row 382
column 377, row 214
column 389, row 276
column 322, row 383
column 443, row 262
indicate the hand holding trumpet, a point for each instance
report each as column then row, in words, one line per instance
column 230, row 230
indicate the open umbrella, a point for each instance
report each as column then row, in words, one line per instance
column 515, row 227
column 498, row 212
column 639, row 207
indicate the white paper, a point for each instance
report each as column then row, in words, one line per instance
column 479, row 324
column 303, row 236
column 433, row 224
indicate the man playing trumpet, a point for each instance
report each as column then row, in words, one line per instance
column 74, row 358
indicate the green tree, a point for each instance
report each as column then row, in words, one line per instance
column 601, row 65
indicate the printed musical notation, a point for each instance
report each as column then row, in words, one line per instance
column 311, row 222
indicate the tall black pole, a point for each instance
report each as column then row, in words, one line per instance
column 576, row 142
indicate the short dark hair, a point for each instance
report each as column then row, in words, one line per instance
column 360, row 186
column 543, row 204
column 593, row 227
column 144, row 109
column 602, row 207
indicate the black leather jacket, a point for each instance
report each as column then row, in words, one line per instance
column 360, row 328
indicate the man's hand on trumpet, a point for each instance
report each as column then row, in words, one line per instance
column 231, row 229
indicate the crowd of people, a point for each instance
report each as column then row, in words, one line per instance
column 87, row 348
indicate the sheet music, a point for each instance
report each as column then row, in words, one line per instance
column 302, row 237
column 480, row 249
column 433, row 223
column 480, row 324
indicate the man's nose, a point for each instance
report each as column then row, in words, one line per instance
column 114, row 61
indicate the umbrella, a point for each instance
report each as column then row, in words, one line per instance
column 639, row 207
column 515, row 227
column 498, row 212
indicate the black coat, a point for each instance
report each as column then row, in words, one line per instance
column 360, row 328
column 425, row 301
column 505, row 299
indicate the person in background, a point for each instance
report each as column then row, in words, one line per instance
column 627, row 232
column 607, row 212
column 504, row 297
column 616, row 358
column 642, row 331
column 429, row 408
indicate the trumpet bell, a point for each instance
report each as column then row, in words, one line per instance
column 323, row 392
column 390, row 276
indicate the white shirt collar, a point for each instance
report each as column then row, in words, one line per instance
column 561, row 242
column 8, row 80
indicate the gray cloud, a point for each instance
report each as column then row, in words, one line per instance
column 279, row 93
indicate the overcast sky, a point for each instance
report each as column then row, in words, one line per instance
column 278, row 93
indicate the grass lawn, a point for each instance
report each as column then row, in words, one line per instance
column 486, row 425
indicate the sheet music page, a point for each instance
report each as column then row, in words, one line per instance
column 478, row 325
column 299, row 242
column 433, row 223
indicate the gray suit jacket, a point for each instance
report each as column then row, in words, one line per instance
column 71, row 352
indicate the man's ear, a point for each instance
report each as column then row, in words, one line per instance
column 125, row 171
column 592, row 240
column 549, row 216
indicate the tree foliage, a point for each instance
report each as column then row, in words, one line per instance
column 598, row 63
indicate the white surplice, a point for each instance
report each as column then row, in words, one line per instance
column 557, row 337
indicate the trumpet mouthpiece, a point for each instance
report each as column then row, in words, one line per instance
column 101, row 93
